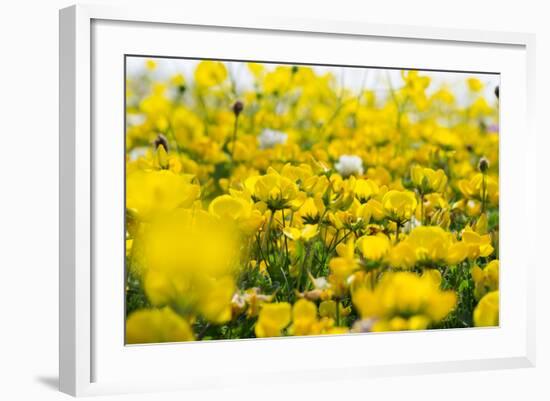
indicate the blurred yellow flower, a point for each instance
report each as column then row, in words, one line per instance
column 374, row 247
column 151, row 193
column 474, row 84
column 184, row 270
column 157, row 326
column 402, row 255
column 273, row 319
column 487, row 279
column 346, row 262
column 210, row 73
column 486, row 312
column 304, row 317
column 416, row 302
column 151, row 64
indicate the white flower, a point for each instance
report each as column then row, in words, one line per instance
column 320, row 283
column 349, row 164
column 135, row 119
column 269, row 138
column 411, row 224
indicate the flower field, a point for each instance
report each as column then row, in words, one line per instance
column 296, row 205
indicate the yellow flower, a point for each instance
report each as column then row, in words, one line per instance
column 456, row 253
column 156, row 326
column 328, row 309
column 256, row 69
column 189, row 129
column 474, row 84
column 151, row 193
column 482, row 225
column 237, row 209
column 366, row 189
column 315, row 185
column 277, row 81
column 177, row 80
column 181, row 267
column 215, row 305
column 273, row 319
column 402, row 256
column 415, row 301
column 304, row 317
column 210, row 73
column 299, row 173
column 478, row 245
column 432, row 244
column 151, row 65
column 129, row 244
column 308, row 232
column 227, row 206
column 346, row 262
column 486, row 312
column 399, row 205
column 487, row 279
column 480, row 187
column 427, row 180
column 480, row 108
column 156, row 107
column 374, row 247
column 276, row 191
column 312, row 209
column 434, row 275
column 373, row 209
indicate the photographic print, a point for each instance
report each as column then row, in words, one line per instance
column 269, row 199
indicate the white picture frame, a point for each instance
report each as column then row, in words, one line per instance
column 79, row 315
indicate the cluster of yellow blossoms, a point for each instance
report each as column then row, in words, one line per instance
column 296, row 206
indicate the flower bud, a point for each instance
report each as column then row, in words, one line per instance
column 483, row 165
column 161, row 140
column 238, row 106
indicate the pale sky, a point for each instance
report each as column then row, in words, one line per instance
column 353, row 78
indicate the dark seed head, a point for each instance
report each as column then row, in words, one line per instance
column 161, row 140
column 238, row 106
column 483, row 165
column 497, row 91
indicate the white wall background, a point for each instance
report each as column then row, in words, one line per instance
column 29, row 200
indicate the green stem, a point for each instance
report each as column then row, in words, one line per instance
column 302, row 271
column 483, row 194
column 337, row 312
column 286, row 242
column 397, row 227
column 422, row 208
column 265, row 242
column 234, row 140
